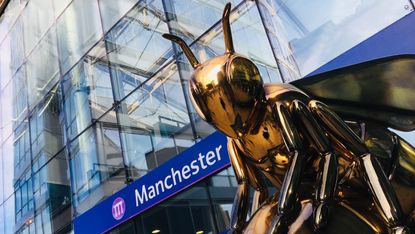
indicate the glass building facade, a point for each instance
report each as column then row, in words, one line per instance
column 92, row 97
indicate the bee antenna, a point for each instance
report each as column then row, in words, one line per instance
column 227, row 34
column 186, row 50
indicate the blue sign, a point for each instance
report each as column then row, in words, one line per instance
column 189, row 167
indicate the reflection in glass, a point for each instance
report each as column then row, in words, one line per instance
column 5, row 75
column 38, row 17
column 9, row 17
column 1, row 184
column 59, row 6
column 75, row 36
column 52, row 194
column 112, row 11
column 276, row 33
column 46, row 127
column 16, row 43
column 8, row 167
column 192, row 18
column 47, row 228
column 224, row 178
column 97, row 165
column 2, row 224
column 87, row 92
column 9, row 215
column 13, row 100
column 43, row 68
column 135, row 47
column 21, row 151
column 23, row 196
column 247, row 27
column 155, row 123
column 319, row 35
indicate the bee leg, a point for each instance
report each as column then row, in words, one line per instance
column 258, row 183
column 376, row 179
column 246, row 176
column 327, row 171
column 288, row 194
column 261, row 191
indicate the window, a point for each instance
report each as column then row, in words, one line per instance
column 88, row 92
column 43, row 68
column 75, row 36
column 97, row 164
column 135, row 47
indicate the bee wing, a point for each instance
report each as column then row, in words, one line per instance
column 381, row 90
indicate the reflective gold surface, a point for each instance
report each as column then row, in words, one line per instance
column 348, row 220
column 331, row 176
column 3, row 4
column 228, row 101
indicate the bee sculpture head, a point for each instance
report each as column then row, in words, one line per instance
column 227, row 91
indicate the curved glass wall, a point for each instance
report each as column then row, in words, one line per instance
column 92, row 97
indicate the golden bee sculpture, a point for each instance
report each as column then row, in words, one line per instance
column 324, row 172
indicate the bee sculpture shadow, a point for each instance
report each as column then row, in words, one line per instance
column 318, row 162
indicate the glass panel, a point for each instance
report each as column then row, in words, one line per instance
column 18, row 200
column 97, row 165
column 4, row 29
column 38, row 17
column 47, row 227
column 194, row 17
column 155, row 123
column 74, row 35
column 9, row 17
column 136, row 48
column 87, row 91
column 21, row 148
column 279, row 40
column 222, row 187
column 16, row 46
column 13, row 100
column 247, row 27
column 2, row 218
column 1, row 183
column 38, row 223
column 59, row 6
column 53, row 194
column 17, row 160
column 43, row 68
column 24, row 196
column 1, row 123
column 9, row 62
column 223, row 179
column 9, row 215
column 5, row 72
column 112, row 11
column 46, row 127
column 319, row 35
